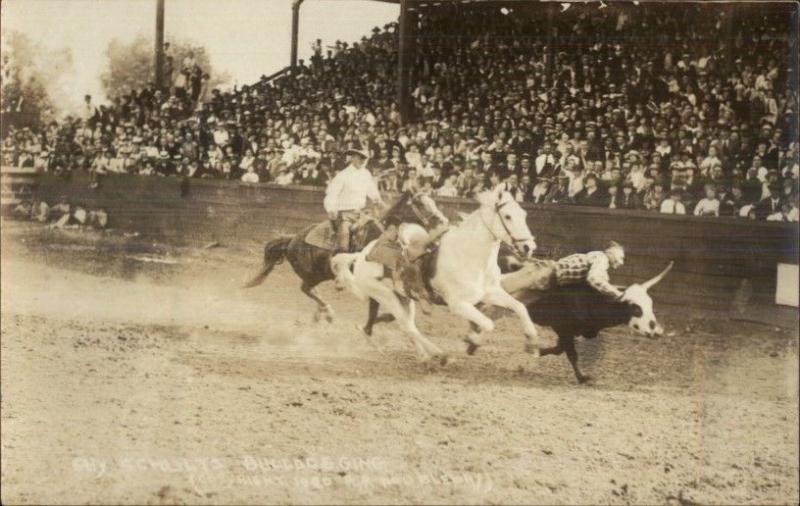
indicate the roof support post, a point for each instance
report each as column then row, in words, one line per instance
column 551, row 50
column 295, row 29
column 159, row 56
column 405, row 57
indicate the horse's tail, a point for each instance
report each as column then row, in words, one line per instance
column 274, row 254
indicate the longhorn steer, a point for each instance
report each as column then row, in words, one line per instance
column 580, row 310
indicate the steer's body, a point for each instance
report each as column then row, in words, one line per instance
column 577, row 310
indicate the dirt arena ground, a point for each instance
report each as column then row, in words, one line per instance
column 133, row 372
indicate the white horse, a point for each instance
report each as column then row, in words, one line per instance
column 466, row 272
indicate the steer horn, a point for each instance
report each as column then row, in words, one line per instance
column 649, row 284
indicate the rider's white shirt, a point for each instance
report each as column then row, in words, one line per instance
column 349, row 190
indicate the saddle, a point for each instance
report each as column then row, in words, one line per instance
column 323, row 236
column 388, row 252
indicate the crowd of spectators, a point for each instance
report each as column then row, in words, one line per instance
column 680, row 109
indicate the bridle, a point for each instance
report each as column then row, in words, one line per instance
column 514, row 240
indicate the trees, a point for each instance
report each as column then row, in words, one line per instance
column 31, row 80
column 131, row 66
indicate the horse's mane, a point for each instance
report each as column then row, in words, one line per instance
column 486, row 197
column 492, row 197
column 390, row 213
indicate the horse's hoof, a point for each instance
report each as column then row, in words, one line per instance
column 584, row 379
column 471, row 347
column 329, row 318
column 533, row 350
column 363, row 329
column 443, row 359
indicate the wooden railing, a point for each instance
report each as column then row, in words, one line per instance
column 715, row 258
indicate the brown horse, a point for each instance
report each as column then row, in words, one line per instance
column 312, row 264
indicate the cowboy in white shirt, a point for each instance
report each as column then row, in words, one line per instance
column 347, row 196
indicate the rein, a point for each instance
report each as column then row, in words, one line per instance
column 390, row 212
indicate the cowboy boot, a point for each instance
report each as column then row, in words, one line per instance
column 342, row 241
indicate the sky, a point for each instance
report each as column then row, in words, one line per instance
column 245, row 38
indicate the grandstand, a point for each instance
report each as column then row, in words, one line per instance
column 677, row 108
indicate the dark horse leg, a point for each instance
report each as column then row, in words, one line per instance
column 323, row 309
column 308, row 262
column 312, row 264
column 373, row 318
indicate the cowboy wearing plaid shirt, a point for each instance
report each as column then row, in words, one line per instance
column 593, row 268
